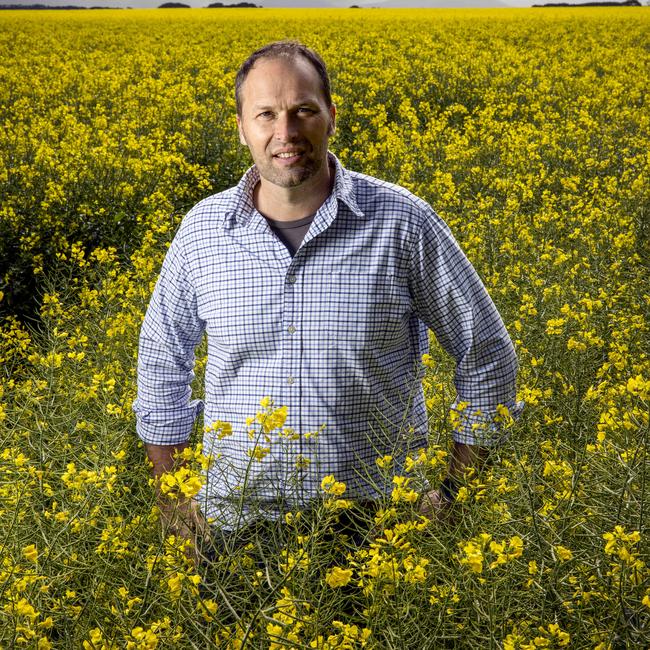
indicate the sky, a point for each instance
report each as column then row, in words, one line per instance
column 298, row 3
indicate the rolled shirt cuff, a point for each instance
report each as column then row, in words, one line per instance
column 481, row 427
column 166, row 426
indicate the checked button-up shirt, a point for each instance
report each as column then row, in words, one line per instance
column 335, row 333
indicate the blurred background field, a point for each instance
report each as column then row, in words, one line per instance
column 527, row 130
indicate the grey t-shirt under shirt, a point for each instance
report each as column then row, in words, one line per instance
column 291, row 233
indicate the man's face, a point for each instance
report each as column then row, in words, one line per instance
column 285, row 121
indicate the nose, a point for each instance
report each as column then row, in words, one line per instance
column 286, row 127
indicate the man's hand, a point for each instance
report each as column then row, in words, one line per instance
column 438, row 504
column 434, row 506
column 179, row 516
column 183, row 518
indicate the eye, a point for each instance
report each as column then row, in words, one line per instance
column 265, row 115
column 306, row 110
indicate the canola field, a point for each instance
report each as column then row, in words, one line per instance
column 529, row 133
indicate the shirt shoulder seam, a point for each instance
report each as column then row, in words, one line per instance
column 414, row 200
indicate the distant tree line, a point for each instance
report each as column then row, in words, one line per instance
column 627, row 3
column 219, row 5
column 214, row 5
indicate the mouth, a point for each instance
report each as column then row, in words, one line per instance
column 288, row 157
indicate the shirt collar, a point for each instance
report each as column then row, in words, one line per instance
column 243, row 207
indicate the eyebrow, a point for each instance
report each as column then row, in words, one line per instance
column 268, row 107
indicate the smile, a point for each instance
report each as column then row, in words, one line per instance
column 286, row 155
column 289, row 159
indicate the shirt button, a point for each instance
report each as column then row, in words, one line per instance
column 291, row 329
column 291, row 279
column 290, row 380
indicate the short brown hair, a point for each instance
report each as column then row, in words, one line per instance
column 283, row 49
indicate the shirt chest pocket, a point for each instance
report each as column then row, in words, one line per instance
column 367, row 310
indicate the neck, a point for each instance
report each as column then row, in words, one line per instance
column 292, row 203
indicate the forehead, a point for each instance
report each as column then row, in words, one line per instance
column 281, row 80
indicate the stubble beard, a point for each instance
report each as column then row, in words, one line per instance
column 290, row 177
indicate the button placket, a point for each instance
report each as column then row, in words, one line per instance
column 291, row 368
column 291, row 342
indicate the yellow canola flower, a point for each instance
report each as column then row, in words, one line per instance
column 270, row 418
column 347, row 637
column 339, row 504
column 384, row 462
column 415, row 569
column 620, row 543
column 30, row 552
column 473, row 551
column 292, row 517
column 551, row 635
column 473, row 556
column 638, row 386
column 401, row 492
column 273, row 420
column 463, row 494
column 478, row 550
column 258, row 452
column 46, row 624
column 338, row 577
column 95, row 641
column 194, row 456
column 181, row 482
column 514, row 641
column 506, row 551
column 222, row 429
column 554, row 326
column 207, row 609
column 175, row 585
column 142, row 639
column 23, row 608
column 331, row 486
column 503, row 415
column 427, row 360
column 176, row 581
column 564, row 554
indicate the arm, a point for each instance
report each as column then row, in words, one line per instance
column 450, row 299
column 162, row 457
column 170, row 333
column 165, row 413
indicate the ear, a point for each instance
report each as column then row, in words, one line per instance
column 242, row 138
column 332, row 127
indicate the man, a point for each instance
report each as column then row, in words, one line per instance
column 316, row 286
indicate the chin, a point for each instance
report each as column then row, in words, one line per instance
column 290, row 180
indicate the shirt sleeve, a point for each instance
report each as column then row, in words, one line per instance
column 451, row 300
column 170, row 332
